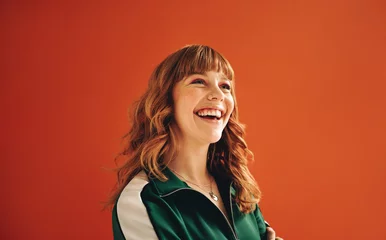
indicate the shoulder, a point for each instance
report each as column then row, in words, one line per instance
column 136, row 184
column 131, row 213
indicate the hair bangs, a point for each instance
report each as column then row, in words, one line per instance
column 198, row 59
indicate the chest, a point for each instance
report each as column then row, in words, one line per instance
column 188, row 214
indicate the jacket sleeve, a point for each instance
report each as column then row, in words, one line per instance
column 261, row 223
column 130, row 218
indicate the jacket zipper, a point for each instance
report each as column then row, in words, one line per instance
column 230, row 226
column 230, row 203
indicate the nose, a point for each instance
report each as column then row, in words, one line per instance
column 216, row 94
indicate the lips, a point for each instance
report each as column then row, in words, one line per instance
column 210, row 112
column 209, row 117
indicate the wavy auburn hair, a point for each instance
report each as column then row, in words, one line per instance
column 153, row 132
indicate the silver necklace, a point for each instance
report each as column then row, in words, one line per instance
column 211, row 193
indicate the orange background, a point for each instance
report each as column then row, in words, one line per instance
column 310, row 85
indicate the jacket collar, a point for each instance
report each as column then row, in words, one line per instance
column 174, row 183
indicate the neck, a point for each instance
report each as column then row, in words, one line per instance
column 190, row 162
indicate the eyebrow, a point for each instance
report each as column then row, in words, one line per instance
column 222, row 76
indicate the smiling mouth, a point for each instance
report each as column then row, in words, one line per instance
column 208, row 117
column 211, row 114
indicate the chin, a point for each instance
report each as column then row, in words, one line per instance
column 214, row 139
column 209, row 138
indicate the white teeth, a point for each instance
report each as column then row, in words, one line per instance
column 211, row 112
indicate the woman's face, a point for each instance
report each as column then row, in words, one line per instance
column 203, row 104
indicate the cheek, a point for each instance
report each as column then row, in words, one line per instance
column 230, row 107
column 184, row 103
column 188, row 99
column 230, row 104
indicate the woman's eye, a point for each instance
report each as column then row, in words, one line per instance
column 198, row 81
column 226, row 86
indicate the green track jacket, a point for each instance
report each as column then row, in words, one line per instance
column 152, row 209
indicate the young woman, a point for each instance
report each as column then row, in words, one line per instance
column 185, row 174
